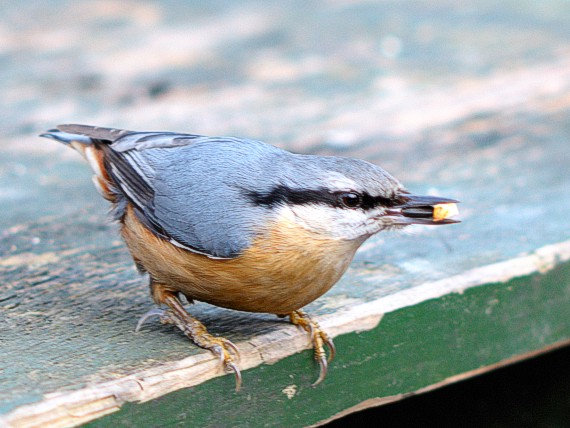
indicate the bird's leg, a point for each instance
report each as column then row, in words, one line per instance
column 196, row 332
column 318, row 337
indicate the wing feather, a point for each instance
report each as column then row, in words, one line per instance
column 181, row 186
column 95, row 132
column 141, row 166
column 186, row 188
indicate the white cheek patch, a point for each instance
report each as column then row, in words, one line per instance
column 328, row 221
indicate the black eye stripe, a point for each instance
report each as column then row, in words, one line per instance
column 280, row 195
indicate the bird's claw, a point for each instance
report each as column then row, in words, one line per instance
column 227, row 352
column 319, row 339
column 330, row 344
column 323, row 366
column 232, row 367
column 233, row 348
column 224, row 349
column 197, row 333
column 154, row 312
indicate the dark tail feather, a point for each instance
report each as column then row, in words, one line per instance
column 91, row 149
column 96, row 132
column 65, row 138
column 84, row 134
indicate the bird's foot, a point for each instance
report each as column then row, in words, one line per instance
column 197, row 333
column 319, row 339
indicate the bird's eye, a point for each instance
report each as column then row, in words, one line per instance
column 350, row 200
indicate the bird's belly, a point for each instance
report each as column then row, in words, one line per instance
column 276, row 285
column 282, row 271
column 263, row 291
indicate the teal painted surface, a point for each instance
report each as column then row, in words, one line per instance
column 411, row 348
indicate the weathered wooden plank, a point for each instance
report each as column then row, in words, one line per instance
column 432, row 96
column 91, row 295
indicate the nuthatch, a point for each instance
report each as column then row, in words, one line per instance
column 241, row 224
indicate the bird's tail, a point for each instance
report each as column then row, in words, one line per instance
column 92, row 150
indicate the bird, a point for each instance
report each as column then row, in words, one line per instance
column 241, row 224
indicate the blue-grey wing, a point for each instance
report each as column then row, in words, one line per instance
column 189, row 189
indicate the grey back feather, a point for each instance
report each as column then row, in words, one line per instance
column 190, row 189
column 200, row 191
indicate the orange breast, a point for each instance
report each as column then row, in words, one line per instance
column 283, row 270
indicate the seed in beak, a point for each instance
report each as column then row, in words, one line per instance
column 443, row 211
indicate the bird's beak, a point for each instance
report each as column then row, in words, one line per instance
column 432, row 210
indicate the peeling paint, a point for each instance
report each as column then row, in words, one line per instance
column 290, row 391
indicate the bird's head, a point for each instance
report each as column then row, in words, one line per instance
column 349, row 199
